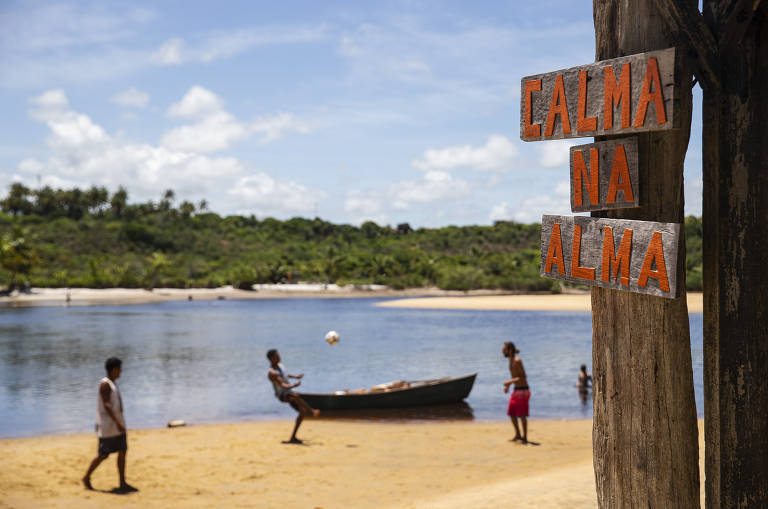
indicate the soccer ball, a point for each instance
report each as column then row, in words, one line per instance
column 332, row 337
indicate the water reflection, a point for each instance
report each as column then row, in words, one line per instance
column 450, row 412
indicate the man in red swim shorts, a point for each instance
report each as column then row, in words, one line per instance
column 518, row 401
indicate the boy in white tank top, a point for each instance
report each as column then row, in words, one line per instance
column 110, row 425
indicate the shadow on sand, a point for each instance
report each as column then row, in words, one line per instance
column 451, row 412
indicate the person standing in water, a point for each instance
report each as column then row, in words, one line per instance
column 110, row 425
column 283, row 392
column 518, row 400
column 585, row 379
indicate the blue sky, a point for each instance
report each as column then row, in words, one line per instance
column 398, row 111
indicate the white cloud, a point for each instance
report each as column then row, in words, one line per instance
column 501, row 212
column 274, row 127
column 532, row 208
column 52, row 99
column 169, row 53
column 83, row 153
column 555, row 153
column 68, row 127
column 211, row 134
column 263, row 195
column 216, row 129
column 221, row 45
column 496, row 155
column 57, row 26
column 131, row 98
column 230, row 43
column 365, row 206
column 47, row 42
column 197, row 102
column 433, row 186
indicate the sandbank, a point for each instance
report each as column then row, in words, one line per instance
column 127, row 296
column 417, row 298
column 533, row 302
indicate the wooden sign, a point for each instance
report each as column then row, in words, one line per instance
column 638, row 256
column 604, row 175
column 630, row 94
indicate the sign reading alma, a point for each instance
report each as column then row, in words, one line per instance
column 604, row 175
column 638, row 256
column 624, row 95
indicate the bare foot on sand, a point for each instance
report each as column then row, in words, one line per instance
column 87, row 483
column 294, row 441
column 127, row 488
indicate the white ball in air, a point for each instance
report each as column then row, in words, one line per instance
column 332, row 337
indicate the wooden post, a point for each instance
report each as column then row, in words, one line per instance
column 645, row 429
column 735, row 145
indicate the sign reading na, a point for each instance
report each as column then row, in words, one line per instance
column 624, row 95
column 638, row 256
column 604, row 175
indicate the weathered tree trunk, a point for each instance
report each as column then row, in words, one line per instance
column 735, row 144
column 645, row 430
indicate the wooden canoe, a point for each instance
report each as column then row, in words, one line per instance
column 419, row 393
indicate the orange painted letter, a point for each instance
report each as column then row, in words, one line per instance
column 584, row 123
column 611, row 259
column 591, row 178
column 655, row 253
column 620, row 180
column 531, row 130
column 555, row 251
column 558, row 106
column 615, row 93
column 646, row 96
column 577, row 270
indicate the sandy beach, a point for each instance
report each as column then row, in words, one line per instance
column 534, row 302
column 422, row 298
column 128, row 296
column 342, row 464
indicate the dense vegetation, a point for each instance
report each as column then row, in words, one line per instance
column 87, row 238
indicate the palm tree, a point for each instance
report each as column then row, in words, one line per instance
column 118, row 202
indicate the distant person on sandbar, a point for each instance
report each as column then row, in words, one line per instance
column 585, row 379
column 283, row 392
column 518, row 401
column 110, row 425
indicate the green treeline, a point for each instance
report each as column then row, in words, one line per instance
column 89, row 238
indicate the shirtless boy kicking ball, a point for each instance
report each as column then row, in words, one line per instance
column 284, row 393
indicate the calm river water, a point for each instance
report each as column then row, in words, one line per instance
column 204, row 361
